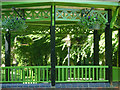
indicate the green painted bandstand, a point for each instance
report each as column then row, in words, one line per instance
column 55, row 14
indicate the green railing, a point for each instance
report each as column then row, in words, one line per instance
column 27, row 74
column 37, row 74
column 116, row 74
column 81, row 73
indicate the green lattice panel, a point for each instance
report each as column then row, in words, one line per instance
column 37, row 14
column 75, row 14
column 100, row 13
column 7, row 14
column 62, row 14
column 68, row 14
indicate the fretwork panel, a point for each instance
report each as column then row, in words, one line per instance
column 8, row 14
column 68, row 14
column 62, row 14
column 99, row 13
column 37, row 14
column 75, row 14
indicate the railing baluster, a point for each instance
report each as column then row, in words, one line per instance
column 19, row 74
column 93, row 74
column 38, row 74
column 31, row 76
column 62, row 74
column 82, row 73
column 15, row 74
column 43, row 74
column 23, row 75
column 12, row 74
column 58, row 74
column 4, row 74
column 47, row 74
column 89, row 73
column 8, row 74
column 97, row 73
column 1, row 74
column 70, row 73
column 35, row 75
column 66, row 73
column 74, row 73
column 27, row 74
column 100, row 73
column 104, row 73
column 86, row 73
column 78, row 73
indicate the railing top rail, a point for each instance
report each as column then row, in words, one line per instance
column 81, row 66
column 116, row 67
column 57, row 67
column 27, row 67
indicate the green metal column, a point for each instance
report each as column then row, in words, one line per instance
column 52, row 31
column 96, row 50
column 108, row 47
column 7, row 51
column 119, row 47
column 96, row 47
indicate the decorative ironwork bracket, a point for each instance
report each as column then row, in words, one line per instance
column 88, row 12
column 21, row 16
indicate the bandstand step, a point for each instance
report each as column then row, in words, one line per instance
column 100, row 86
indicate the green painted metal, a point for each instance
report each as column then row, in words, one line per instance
column 37, row 74
column 58, row 74
column 28, row 74
column 37, row 14
column 52, row 38
column 67, row 73
column 63, row 15
column 115, row 14
column 108, row 46
column 116, row 74
column 89, row 73
column 86, row 73
column 53, row 15
column 97, row 73
column 93, row 73
column 104, row 73
column 62, row 74
column 83, row 73
column 70, row 73
column 78, row 73
column 80, row 3
column 30, row 14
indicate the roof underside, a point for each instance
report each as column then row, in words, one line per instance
column 78, row 3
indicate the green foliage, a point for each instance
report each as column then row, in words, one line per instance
column 13, row 23
column 89, row 21
column 34, row 49
column 33, row 52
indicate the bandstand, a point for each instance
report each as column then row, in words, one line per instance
column 54, row 14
